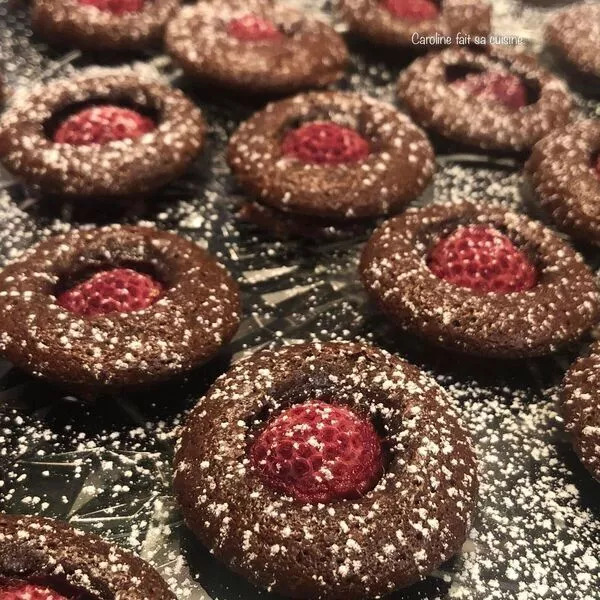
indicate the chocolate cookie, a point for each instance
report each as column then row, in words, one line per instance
column 480, row 280
column 255, row 46
column 581, row 409
column 108, row 134
column 43, row 559
column 331, row 155
column 574, row 34
column 418, row 24
column 107, row 308
column 102, row 24
column 564, row 175
column 292, row 225
column 502, row 101
column 291, row 465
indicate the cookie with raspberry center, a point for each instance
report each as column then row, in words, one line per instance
column 317, row 452
column 482, row 259
column 255, row 47
column 501, row 100
column 104, row 310
column 108, row 134
column 103, row 25
column 102, row 124
column 333, row 157
column 325, row 143
column 563, row 177
column 251, row 28
column 480, row 280
column 416, row 24
column 44, row 559
column 280, row 472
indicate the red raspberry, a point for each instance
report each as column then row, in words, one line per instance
column 102, row 124
column 26, row 591
column 596, row 165
column 116, row 7
column 251, row 28
column 116, row 290
column 325, row 143
column 482, row 259
column 318, row 453
column 412, row 10
column 502, row 88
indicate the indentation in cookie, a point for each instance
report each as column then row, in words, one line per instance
column 497, row 87
column 252, row 28
column 116, row 7
column 318, row 452
column 102, row 124
column 498, row 100
column 325, row 143
column 412, row 10
column 109, row 291
column 483, row 259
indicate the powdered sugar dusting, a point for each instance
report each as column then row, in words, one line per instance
column 106, row 467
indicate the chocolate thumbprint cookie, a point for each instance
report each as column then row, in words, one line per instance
column 480, row 280
column 102, row 309
column 255, row 46
column 102, row 25
column 289, row 467
column 330, row 157
column 110, row 134
column 574, row 35
column 43, row 559
column 563, row 173
column 581, row 408
column 418, row 24
column 501, row 101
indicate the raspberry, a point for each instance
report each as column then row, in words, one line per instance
column 102, row 124
column 325, row 143
column 116, row 290
column 251, row 28
column 596, row 165
column 318, row 453
column 26, row 591
column 412, row 10
column 116, row 7
column 502, row 88
column 482, row 259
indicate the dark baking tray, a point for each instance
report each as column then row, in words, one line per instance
column 106, row 466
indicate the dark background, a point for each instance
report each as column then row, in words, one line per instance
column 105, row 467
